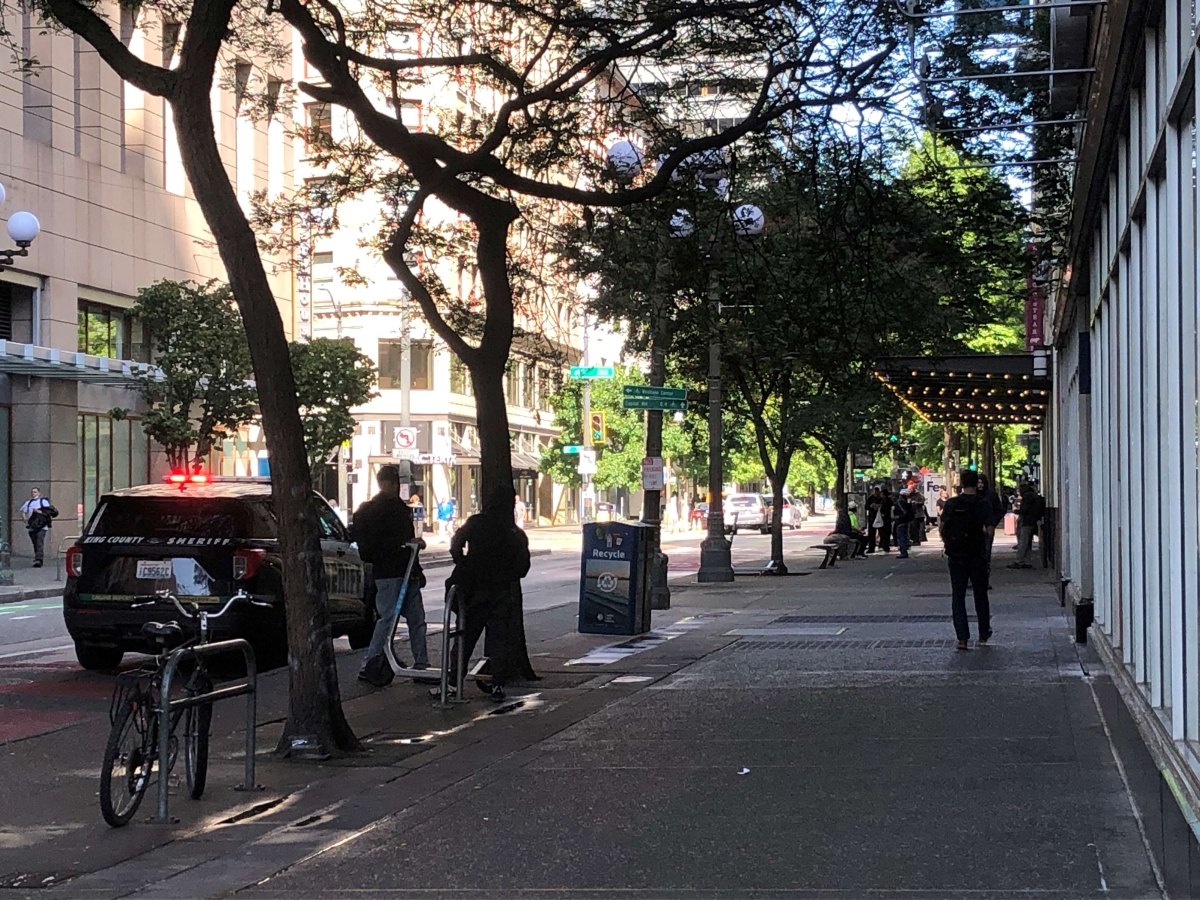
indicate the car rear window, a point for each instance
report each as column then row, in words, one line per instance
column 742, row 501
column 186, row 517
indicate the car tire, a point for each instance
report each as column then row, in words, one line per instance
column 97, row 658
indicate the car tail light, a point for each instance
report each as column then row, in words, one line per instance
column 246, row 563
column 75, row 562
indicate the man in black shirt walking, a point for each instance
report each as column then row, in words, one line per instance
column 383, row 527
column 965, row 529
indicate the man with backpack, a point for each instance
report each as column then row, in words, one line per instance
column 1030, row 512
column 965, row 531
column 38, row 513
column 902, row 515
column 383, row 526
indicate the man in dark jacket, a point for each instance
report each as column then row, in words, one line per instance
column 491, row 556
column 902, row 515
column 1030, row 513
column 965, row 530
column 873, row 531
column 383, row 526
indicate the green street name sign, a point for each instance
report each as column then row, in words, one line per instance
column 665, row 403
column 572, row 449
column 591, row 371
column 658, row 393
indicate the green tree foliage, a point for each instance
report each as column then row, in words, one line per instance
column 332, row 376
column 619, row 461
column 204, row 392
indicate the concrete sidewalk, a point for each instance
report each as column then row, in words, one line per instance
column 813, row 735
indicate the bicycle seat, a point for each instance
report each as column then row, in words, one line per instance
column 169, row 633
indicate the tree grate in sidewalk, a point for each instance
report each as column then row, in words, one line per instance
column 849, row 644
column 850, row 620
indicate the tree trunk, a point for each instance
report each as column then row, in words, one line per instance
column 316, row 724
column 782, row 465
column 491, row 415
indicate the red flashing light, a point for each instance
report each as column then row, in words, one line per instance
column 75, row 562
column 246, row 563
column 181, row 478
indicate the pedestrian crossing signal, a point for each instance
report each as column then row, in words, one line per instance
column 599, row 431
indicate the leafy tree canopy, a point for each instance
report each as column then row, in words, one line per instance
column 204, row 392
column 332, row 376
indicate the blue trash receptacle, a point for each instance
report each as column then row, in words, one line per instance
column 614, row 579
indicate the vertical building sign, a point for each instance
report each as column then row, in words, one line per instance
column 304, row 279
column 1036, row 284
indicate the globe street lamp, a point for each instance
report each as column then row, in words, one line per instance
column 23, row 229
column 716, row 561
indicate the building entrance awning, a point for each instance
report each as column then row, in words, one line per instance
column 980, row 388
column 49, row 362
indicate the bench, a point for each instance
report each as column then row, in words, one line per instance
column 831, row 552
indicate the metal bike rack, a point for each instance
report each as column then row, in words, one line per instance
column 165, row 704
column 458, row 634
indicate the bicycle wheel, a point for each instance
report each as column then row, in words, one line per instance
column 197, row 721
column 128, row 761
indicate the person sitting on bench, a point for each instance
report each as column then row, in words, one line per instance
column 843, row 532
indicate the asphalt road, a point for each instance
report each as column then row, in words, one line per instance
column 34, row 631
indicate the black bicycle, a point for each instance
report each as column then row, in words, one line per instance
column 131, row 754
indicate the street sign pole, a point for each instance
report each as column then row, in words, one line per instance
column 586, row 503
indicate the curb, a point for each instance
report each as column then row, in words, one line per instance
column 22, row 594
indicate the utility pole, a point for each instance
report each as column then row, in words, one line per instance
column 405, row 465
column 660, row 592
column 586, row 500
column 716, row 561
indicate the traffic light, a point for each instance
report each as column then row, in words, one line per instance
column 972, row 466
column 893, row 438
column 599, row 431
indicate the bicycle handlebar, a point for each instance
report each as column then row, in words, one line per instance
column 167, row 595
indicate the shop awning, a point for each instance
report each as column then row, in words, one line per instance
column 523, row 462
column 50, row 362
column 464, row 455
column 981, row 388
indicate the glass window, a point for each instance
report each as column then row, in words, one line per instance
column 185, row 516
column 88, row 456
column 422, row 365
column 390, row 355
column 547, row 387
column 318, row 120
column 120, row 454
column 528, row 394
column 105, row 331
column 460, row 377
column 512, row 383
column 331, row 525
column 139, row 453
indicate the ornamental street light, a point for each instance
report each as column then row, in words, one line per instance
column 23, row 229
column 716, row 561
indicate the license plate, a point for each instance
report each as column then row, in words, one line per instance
column 154, row 569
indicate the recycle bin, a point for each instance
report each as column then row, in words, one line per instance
column 614, row 584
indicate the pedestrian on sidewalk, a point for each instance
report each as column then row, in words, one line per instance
column 38, row 512
column 965, row 532
column 445, row 517
column 418, row 513
column 916, row 500
column 902, row 516
column 874, row 519
column 383, row 526
column 885, row 530
column 1030, row 512
column 491, row 556
column 995, row 506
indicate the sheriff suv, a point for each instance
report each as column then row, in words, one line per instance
column 202, row 541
